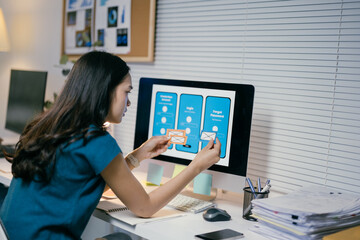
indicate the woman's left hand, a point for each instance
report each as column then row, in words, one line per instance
column 153, row 147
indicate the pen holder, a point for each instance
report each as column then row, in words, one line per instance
column 248, row 197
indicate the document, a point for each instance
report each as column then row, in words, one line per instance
column 308, row 213
column 118, row 210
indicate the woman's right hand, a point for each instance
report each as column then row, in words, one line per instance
column 208, row 156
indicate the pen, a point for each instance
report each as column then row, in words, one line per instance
column 267, row 182
column 247, row 210
column 266, row 188
column 251, row 186
column 259, row 185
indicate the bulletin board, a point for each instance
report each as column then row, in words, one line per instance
column 81, row 33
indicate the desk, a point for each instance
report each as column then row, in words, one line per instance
column 184, row 227
column 187, row 226
column 5, row 172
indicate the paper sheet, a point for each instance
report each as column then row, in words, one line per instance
column 155, row 173
column 203, row 183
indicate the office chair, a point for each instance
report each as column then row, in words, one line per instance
column 112, row 236
column 3, row 233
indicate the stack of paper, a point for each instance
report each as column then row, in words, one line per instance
column 308, row 213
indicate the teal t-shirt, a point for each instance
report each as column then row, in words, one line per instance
column 62, row 208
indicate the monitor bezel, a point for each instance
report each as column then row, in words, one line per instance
column 243, row 110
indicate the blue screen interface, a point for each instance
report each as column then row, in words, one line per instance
column 199, row 115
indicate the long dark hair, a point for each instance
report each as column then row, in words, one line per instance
column 84, row 101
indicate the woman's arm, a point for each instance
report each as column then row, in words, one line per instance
column 129, row 190
column 151, row 148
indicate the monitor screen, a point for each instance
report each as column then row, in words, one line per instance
column 192, row 112
column 26, row 98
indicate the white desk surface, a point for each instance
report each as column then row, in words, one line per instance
column 186, row 227
column 183, row 227
column 5, row 172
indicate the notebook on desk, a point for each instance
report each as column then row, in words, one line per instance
column 116, row 209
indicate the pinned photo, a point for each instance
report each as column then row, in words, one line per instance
column 88, row 17
column 71, row 18
column 100, row 37
column 79, row 39
column 83, row 39
column 122, row 37
column 112, row 16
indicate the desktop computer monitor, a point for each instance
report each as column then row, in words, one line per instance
column 195, row 111
column 26, row 98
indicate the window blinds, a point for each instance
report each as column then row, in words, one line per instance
column 302, row 56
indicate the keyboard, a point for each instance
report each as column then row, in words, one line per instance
column 190, row 204
column 7, row 148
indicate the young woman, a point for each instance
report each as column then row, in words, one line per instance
column 65, row 157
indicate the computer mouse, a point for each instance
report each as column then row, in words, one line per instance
column 216, row 214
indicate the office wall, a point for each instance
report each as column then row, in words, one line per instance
column 34, row 29
column 302, row 57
